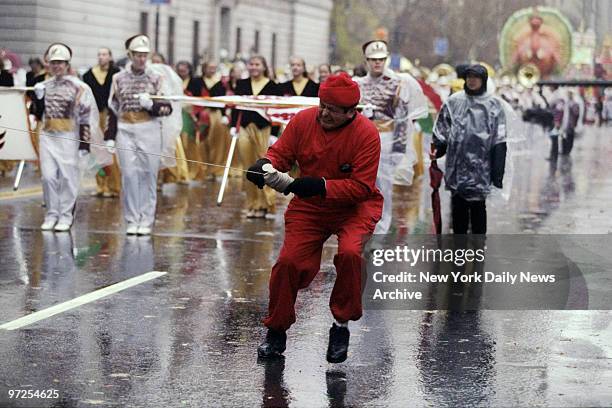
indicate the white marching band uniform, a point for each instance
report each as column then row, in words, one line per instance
column 138, row 130
column 393, row 102
column 70, row 121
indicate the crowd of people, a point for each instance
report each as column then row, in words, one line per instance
column 561, row 111
column 340, row 159
column 205, row 134
column 402, row 105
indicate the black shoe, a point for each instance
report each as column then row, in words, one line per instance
column 338, row 344
column 274, row 344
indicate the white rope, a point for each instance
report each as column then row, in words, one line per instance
column 275, row 179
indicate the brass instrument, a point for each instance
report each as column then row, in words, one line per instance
column 443, row 70
column 424, row 71
column 506, row 78
column 406, row 65
column 528, row 75
column 490, row 70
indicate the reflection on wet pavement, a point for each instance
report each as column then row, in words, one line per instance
column 189, row 337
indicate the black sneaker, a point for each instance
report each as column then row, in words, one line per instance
column 338, row 344
column 274, row 345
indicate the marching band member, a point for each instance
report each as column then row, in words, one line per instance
column 324, row 72
column 300, row 84
column 392, row 103
column 255, row 133
column 136, row 124
column 68, row 115
column 217, row 140
column 99, row 79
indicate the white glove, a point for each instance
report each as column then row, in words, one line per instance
column 496, row 192
column 83, row 153
column 110, row 146
column 39, row 90
column 275, row 179
column 233, row 132
column 225, row 120
column 368, row 111
column 145, row 101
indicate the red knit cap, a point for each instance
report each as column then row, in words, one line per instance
column 340, row 90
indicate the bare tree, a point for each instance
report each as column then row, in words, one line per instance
column 472, row 27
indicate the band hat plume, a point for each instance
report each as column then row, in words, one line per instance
column 59, row 52
column 138, row 43
column 340, row 90
column 375, row 49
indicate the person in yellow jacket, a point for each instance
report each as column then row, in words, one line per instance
column 254, row 136
column 217, row 140
column 192, row 86
column 99, row 79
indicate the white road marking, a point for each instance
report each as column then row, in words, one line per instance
column 81, row 300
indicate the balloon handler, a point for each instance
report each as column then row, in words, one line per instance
column 338, row 151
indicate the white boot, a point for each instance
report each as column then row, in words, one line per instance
column 144, row 230
column 62, row 227
column 48, row 225
column 132, row 229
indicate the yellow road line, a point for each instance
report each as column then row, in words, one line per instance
column 33, row 191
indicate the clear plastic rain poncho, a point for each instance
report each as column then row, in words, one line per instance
column 99, row 157
column 516, row 146
column 172, row 85
column 470, row 126
column 412, row 105
column 397, row 100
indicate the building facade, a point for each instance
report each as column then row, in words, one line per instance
column 181, row 30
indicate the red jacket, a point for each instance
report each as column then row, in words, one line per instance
column 347, row 158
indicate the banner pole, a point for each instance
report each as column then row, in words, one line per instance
column 228, row 163
column 19, row 174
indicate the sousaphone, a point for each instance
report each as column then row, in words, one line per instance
column 528, row 75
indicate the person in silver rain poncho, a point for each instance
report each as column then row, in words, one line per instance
column 471, row 131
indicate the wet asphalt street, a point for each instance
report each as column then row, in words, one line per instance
column 189, row 338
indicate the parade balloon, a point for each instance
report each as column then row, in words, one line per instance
column 541, row 36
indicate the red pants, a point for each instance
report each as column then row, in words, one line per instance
column 300, row 259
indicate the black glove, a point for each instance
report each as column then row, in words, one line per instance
column 161, row 109
column 305, row 187
column 111, row 126
column 85, row 137
column 440, row 149
column 255, row 178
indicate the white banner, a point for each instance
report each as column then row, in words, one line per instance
column 15, row 140
column 276, row 109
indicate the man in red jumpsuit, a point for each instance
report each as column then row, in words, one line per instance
column 337, row 150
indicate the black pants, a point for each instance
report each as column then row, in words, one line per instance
column 554, row 147
column 567, row 142
column 463, row 211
